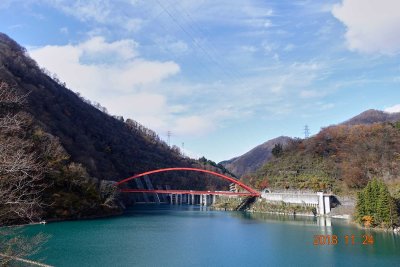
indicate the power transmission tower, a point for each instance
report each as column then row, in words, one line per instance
column 183, row 149
column 306, row 132
column 169, row 137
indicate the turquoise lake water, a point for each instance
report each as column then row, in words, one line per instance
column 193, row 236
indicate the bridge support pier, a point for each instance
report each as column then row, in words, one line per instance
column 205, row 200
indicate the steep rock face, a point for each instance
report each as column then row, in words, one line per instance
column 255, row 158
column 373, row 116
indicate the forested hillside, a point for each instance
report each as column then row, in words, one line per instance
column 66, row 150
column 339, row 158
column 109, row 147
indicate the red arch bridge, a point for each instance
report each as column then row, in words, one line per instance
column 250, row 192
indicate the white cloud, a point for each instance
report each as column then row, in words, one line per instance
column 393, row 109
column 245, row 12
column 289, row 47
column 178, row 47
column 259, row 22
column 373, row 26
column 85, row 10
column 195, row 124
column 161, row 116
column 248, row 48
column 148, row 108
column 327, row 106
column 97, row 67
column 97, row 47
column 169, row 44
column 113, row 74
column 64, row 30
column 132, row 24
column 311, row 94
column 105, row 12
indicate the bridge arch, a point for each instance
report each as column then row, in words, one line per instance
column 242, row 185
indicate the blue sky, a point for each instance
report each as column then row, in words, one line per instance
column 222, row 76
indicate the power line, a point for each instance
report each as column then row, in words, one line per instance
column 199, row 60
column 194, row 26
column 195, row 42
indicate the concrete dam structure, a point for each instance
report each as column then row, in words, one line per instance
column 319, row 200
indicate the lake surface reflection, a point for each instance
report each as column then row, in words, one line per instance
column 195, row 236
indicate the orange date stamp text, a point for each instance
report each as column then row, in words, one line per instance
column 331, row 240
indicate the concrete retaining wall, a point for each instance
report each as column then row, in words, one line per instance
column 318, row 200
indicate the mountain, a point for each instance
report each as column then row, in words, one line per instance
column 258, row 156
column 255, row 158
column 109, row 147
column 340, row 158
column 77, row 144
column 373, row 116
column 106, row 146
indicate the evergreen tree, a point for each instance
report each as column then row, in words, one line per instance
column 375, row 191
column 368, row 199
column 277, row 151
column 383, row 206
column 394, row 215
column 375, row 203
column 360, row 207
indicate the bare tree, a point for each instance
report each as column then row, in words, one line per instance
column 21, row 172
column 109, row 194
column 21, row 178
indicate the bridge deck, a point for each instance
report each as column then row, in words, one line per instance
column 189, row 192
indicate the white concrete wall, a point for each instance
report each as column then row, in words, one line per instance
column 318, row 200
column 292, row 198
